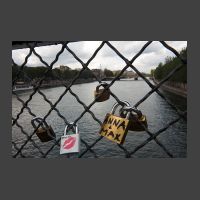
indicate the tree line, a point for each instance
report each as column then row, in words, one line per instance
column 170, row 63
column 33, row 73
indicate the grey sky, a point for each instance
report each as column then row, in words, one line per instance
column 106, row 57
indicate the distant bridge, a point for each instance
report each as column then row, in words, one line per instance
column 135, row 78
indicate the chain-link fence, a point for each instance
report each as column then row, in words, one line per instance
column 19, row 147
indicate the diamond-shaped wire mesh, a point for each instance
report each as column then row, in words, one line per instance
column 19, row 142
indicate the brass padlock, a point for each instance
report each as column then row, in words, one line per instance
column 45, row 133
column 103, row 94
column 115, row 127
column 138, row 121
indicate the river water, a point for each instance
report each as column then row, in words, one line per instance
column 158, row 113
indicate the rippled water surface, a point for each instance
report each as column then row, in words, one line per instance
column 158, row 113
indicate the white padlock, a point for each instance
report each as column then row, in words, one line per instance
column 70, row 141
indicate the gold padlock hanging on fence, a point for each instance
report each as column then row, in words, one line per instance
column 45, row 133
column 103, row 94
column 138, row 121
column 115, row 127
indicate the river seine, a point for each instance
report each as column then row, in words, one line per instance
column 157, row 111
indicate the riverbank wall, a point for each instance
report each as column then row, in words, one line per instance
column 54, row 83
column 66, row 83
column 174, row 87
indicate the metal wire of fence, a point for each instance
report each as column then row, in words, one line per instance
column 37, row 86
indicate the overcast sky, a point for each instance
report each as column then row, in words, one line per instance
column 106, row 58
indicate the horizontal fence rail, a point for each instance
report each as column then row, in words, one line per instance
column 87, row 108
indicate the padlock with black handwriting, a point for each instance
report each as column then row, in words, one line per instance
column 138, row 121
column 45, row 133
column 115, row 127
column 70, row 141
column 102, row 94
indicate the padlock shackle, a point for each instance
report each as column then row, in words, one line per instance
column 104, row 84
column 134, row 109
column 75, row 125
column 115, row 106
column 38, row 119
